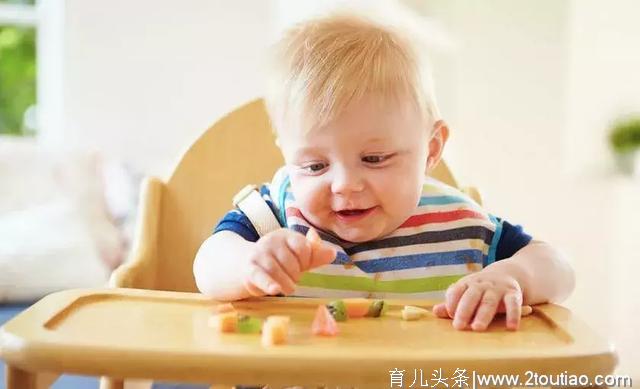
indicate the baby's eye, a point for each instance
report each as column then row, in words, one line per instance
column 314, row 167
column 374, row 158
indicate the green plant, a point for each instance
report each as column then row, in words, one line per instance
column 625, row 135
column 17, row 77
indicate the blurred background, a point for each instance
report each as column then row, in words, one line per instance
column 542, row 96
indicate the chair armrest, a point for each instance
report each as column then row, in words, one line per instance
column 139, row 271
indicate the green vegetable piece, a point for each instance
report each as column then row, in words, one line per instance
column 338, row 310
column 249, row 325
column 385, row 308
column 377, row 309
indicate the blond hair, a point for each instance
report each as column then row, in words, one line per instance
column 323, row 65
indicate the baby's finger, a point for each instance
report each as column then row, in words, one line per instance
column 526, row 310
column 322, row 254
column 486, row 310
column 271, row 266
column 452, row 297
column 313, row 237
column 288, row 261
column 440, row 310
column 513, row 306
column 301, row 248
column 467, row 307
column 260, row 283
column 254, row 290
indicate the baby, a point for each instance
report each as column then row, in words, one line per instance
column 359, row 129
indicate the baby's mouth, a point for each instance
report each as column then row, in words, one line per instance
column 353, row 214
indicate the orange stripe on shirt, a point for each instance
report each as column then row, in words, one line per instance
column 441, row 217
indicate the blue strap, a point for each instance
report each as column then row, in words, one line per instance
column 282, row 193
column 491, row 258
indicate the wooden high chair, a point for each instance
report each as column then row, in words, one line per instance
column 165, row 335
column 178, row 215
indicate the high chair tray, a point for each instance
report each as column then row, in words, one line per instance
column 129, row 333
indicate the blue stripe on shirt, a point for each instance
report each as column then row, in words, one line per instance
column 440, row 200
column 413, row 261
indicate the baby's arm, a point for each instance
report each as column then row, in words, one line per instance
column 216, row 265
column 228, row 267
column 544, row 274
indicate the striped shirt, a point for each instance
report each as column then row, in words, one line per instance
column 447, row 237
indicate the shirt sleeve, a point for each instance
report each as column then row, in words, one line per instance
column 236, row 221
column 512, row 239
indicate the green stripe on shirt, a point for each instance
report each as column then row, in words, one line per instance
column 412, row 285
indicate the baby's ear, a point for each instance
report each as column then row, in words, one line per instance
column 437, row 141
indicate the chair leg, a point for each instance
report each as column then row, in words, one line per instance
column 111, row 383
column 45, row 380
column 20, row 379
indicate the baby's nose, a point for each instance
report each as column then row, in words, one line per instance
column 346, row 181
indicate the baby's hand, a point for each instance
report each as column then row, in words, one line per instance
column 279, row 258
column 484, row 293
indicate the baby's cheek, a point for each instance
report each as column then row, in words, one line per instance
column 311, row 203
column 405, row 193
column 401, row 202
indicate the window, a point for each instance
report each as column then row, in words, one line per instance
column 18, row 24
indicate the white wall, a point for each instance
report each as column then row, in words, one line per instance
column 143, row 78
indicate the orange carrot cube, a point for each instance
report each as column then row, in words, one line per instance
column 275, row 330
column 224, row 322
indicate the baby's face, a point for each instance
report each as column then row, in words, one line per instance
column 360, row 177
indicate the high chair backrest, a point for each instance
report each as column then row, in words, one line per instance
column 176, row 216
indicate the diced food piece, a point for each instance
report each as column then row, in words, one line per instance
column 377, row 308
column 324, row 323
column 338, row 310
column 249, row 325
column 413, row 313
column 275, row 330
column 357, row 307
column 224, row 322
column 222, row 308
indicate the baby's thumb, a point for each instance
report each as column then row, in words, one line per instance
column 322, row 254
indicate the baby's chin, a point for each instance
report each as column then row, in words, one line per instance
column 357, row 235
